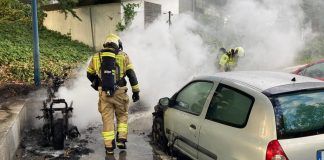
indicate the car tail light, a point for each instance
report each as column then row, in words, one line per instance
column 275, row 152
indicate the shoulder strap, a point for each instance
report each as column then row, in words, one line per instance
column 100, row 57
column 100, row 61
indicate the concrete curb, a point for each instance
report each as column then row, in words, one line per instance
column 12, row 123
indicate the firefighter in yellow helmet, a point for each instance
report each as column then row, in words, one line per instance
column 107, row 71
column 228, row 61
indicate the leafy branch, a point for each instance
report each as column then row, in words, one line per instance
column 129, row 15
column 66, row 6
column 19, row 10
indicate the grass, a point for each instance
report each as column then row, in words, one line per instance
column 16, row 52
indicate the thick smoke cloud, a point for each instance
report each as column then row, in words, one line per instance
column 165, row 58
column 269, row 30
column 85, row 101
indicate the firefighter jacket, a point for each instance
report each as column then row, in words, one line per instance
column 124, row 65
column 227, row 61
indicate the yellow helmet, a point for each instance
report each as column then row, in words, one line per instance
column 240, row 51
column 112, row 39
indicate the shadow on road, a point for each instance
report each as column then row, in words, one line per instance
column 122, row 156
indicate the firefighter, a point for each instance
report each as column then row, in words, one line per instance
column 228, row 61
column 107, row 71
column 221, row 52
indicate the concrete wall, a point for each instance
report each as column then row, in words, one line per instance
column 12, row 124
column 186, row 6
column 166, row 5
column 139, row 18
column 103, row 17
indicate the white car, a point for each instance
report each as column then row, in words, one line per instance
column 244, row 116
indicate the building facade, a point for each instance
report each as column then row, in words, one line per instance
column 100, row 19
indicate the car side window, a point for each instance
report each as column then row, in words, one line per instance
column 230, row 106
column 193, row 97
column 314, row 71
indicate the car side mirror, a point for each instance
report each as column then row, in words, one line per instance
column 164, row 102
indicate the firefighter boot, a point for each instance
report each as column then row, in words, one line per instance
column 121, row 143
column 110, row 150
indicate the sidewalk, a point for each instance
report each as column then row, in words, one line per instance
column 13, row 115
column 90, row 144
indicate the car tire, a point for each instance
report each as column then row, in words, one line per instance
column 58, row 135
column 158, row 134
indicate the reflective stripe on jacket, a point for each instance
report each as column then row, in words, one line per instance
column 227, row 60
column 124, row 64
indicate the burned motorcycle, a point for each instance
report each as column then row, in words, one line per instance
column 56, row 126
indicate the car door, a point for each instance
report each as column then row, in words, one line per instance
column 226, row 117
column 183, row 118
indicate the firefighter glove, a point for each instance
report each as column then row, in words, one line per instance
column 95, row 83
column 135, row 96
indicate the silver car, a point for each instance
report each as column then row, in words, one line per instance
column 244, row 116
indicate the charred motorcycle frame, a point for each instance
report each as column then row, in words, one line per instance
column 56, row 127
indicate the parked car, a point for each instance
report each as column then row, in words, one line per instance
column 314, row 70
column 244, row 116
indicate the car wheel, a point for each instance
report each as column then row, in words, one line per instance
column 158, row 134
column 58, row 136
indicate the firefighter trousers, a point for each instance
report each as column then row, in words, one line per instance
column 110, row 106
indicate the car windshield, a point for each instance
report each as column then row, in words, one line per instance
column 299, row 114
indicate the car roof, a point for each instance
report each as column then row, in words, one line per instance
column 308, row 64
column 319, row 61
column 262, row 80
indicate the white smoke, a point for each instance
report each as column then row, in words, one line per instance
column 85, row 101
column 270, row 31
column 166, row 58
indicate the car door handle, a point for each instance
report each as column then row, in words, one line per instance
column 192, row 126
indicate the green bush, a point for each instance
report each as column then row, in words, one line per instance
column 16, row 11
column 129, row 15
column 56, row 52
column 313, row 51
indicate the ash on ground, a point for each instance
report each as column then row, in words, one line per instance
column 32, row 146
column 90, row 144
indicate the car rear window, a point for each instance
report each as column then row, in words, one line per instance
column 299, row 114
